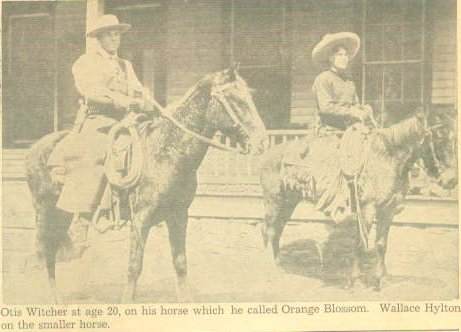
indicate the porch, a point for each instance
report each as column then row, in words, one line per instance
column 229, row 189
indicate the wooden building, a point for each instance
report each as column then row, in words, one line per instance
column 408, row 54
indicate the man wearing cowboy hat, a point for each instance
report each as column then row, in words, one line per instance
column 110, row 88
column 336, row 96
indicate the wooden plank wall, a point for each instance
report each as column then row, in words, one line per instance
column 444, row 85
column 70, row 20
column 195, row 43
column 311, row 20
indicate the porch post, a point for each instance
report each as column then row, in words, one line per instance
column 94, row 9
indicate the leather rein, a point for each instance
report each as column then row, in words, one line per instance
column 218, row 94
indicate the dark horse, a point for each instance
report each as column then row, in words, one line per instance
column 382, row 185
column 219, row 102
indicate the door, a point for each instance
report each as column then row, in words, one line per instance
column 144, row 45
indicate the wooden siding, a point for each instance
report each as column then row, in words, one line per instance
column 70, row 19
column 312, row 20
column 444, row 81
column 195, row 43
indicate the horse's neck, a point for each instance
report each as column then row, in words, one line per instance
column 403, row 135
column 191, row 113
column 395, row 148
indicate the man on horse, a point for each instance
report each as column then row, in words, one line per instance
column 110, row 89
column 335, row 93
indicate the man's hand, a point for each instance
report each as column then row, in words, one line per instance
column 362, row 113
column 368, row 110
column 358, row 113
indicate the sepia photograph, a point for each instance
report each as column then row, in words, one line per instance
column 205, row 151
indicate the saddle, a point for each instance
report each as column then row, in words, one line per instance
column 102, row 178
column 323, row 171
column 123, row 166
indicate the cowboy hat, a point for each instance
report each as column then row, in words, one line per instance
column 323, row 50
column 107, row 23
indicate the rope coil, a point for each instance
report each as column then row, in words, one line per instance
column 134, row 171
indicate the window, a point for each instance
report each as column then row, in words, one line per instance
column 29, row 72
column 258, row 33
column 393, row 57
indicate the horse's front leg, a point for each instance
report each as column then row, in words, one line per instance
column 384, row 221
column 138, row 235
column 365, row 242
column 177, row 229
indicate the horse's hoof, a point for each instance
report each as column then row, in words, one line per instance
column 263, row 235
column 58, row 299
column 126, row 298
column 378, row 285
column 128, row 294
column 350, row 283
column 183, row 294
column 34, row 262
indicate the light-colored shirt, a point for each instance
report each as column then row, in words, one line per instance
column 101, row 75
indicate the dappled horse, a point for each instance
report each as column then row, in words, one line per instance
column 381, row 185
column 174, row 149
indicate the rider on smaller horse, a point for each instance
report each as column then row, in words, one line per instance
column 110, row 89
column 336, row 96
column 343, row 120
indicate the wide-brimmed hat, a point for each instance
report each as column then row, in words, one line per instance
column 323, row 50
column 107, row 23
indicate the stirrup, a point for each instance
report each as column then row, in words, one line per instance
column 98, row 223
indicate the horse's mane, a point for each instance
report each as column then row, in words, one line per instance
column 401, row 133
column 191, row 93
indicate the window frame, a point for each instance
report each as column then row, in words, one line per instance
column 422, row 61
column 282, row 67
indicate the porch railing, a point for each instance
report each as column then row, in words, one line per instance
column 224, row 167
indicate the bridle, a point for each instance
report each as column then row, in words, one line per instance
column 428, row 134
column 217, row 94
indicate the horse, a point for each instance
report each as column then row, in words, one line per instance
column 174, row 150
column 381, row 186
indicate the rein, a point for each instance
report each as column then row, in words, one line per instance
column 131, row 179
column 218, row 94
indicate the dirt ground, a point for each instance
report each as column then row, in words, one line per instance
column 227, row 263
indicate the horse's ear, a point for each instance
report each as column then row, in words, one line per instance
column 234, row 66
column 233, row 70
column 420, row 112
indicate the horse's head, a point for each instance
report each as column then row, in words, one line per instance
column 433, row 130
column 426, row 150
column 233, row 112
column 444, row 136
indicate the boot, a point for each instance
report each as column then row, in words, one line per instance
column 101, row 222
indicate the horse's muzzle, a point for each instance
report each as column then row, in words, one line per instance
column 448, row 179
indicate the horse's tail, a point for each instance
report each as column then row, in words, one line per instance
column 36, row 170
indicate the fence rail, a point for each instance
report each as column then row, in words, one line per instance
column 219, row 172
column 223, row 167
